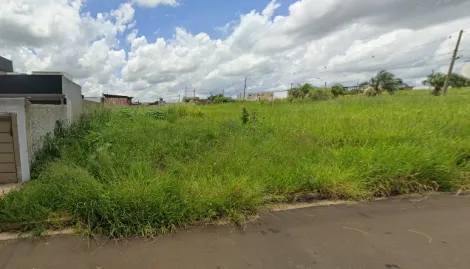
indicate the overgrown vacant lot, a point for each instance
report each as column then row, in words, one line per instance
column 142, row 171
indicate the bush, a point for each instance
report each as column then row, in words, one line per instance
column 338, row 90
column 245, row 115
column 66, row 136
column 319, row 95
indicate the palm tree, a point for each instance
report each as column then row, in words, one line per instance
column 385, row 81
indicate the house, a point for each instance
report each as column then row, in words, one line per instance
column 266, row 96
column 116, row 100
column 30, row 107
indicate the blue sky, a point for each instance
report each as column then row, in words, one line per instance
column 194, row 15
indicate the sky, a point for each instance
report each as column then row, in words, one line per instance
column 162, row 48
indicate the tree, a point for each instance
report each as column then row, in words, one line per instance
column 337, row 90
column 219, row 98
column 385, row 81
column 458, row 81
column 437, row 81
column 300, row 92
column 319, row 94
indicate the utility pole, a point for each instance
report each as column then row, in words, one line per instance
column 325, row 84
column 194, row 93
column 244, row 89
column 452, row 61
column 185, row 92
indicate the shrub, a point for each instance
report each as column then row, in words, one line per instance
column 337, row 90
column 319, row 94
column 245, row 115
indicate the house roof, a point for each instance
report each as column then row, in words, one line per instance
column 116, row 96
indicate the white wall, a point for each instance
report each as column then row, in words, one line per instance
column 73, row 93
column 466, row 70
column 41, row 120
column 19, row 106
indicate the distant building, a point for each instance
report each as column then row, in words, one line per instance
column 261, row 96
column 117, row 100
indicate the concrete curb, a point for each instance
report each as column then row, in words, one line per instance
column 7, row 236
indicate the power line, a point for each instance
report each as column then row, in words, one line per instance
column 389, row 54
column 371, row 59
column 363, row 59
column 366, row 58
column 401, row 65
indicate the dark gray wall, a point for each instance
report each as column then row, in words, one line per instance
column 5, row 65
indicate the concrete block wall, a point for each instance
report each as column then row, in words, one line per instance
column 41, row 120
column 90, row 106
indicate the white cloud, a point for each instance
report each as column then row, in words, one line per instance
column 319, row 40
column 35, row 23
column 124, row 14
column 154, row 3
column 58, row 36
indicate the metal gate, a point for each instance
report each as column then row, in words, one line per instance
column 8, row 149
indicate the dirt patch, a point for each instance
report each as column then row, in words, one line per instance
column 6, row 188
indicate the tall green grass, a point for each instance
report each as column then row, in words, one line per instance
column 144, row 171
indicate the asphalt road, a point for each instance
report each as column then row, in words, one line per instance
column 394, row 234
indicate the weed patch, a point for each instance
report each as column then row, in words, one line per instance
column 148, row 171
